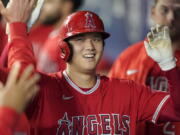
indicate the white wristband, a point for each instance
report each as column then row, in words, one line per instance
column 168, row 64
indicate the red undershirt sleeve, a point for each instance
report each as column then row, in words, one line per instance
column 8, row 120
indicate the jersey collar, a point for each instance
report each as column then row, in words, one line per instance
column 72, row 84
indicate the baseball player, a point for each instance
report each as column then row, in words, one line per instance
column 14, row 96
column 77, row 100
column 135, row 64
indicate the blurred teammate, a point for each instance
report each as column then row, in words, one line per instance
column 77, row 100
column 49, row 60
column 52, row 15
column 134, row 63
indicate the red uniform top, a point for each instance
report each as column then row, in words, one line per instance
column 134, row 64
column 112, row 106
column 63, row 107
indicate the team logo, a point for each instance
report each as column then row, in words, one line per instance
column 89, row 21
column 96, row 124
column 64, row 127
column 131, row 71
column 64, row 97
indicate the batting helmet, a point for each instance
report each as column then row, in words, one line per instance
column 78, row 23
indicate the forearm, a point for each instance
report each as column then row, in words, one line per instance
column 20, row 48
column 173, row 76
column 171, row 111
column 168, row 113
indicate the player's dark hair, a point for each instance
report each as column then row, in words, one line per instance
column 71, row 51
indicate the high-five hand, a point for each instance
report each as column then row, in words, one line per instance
column 18, row 91
column 159, row 47
column 17, row 10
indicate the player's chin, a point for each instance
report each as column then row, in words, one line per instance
column 89, row 70
column 90, row 66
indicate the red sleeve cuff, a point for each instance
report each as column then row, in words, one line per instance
column 9, row 117
column 172, row 72
column 18, row 29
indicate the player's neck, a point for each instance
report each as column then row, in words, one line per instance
column 83, row 80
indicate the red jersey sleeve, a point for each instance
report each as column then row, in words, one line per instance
column 20, row 48
column 8, row 120
column 137, row 101
column 149, row 103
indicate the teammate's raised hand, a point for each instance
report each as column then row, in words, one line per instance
column 159, row 47
column 17, row 91
column 17, row 10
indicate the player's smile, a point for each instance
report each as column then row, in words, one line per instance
column 89, row 56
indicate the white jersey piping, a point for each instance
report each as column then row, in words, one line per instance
column 80, row 90
column 159, row 108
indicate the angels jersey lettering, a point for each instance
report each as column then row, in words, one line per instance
column 80, row 125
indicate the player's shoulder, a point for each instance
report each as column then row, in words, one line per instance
column 136, row 45
column 133, row 49
column 123, row 87
column 51, row 77
column 116, row 81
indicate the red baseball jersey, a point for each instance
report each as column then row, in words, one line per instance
column 112, row 106
column 137, row 66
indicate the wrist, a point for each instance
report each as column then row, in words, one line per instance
column 167, row 64
column 17, row 29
